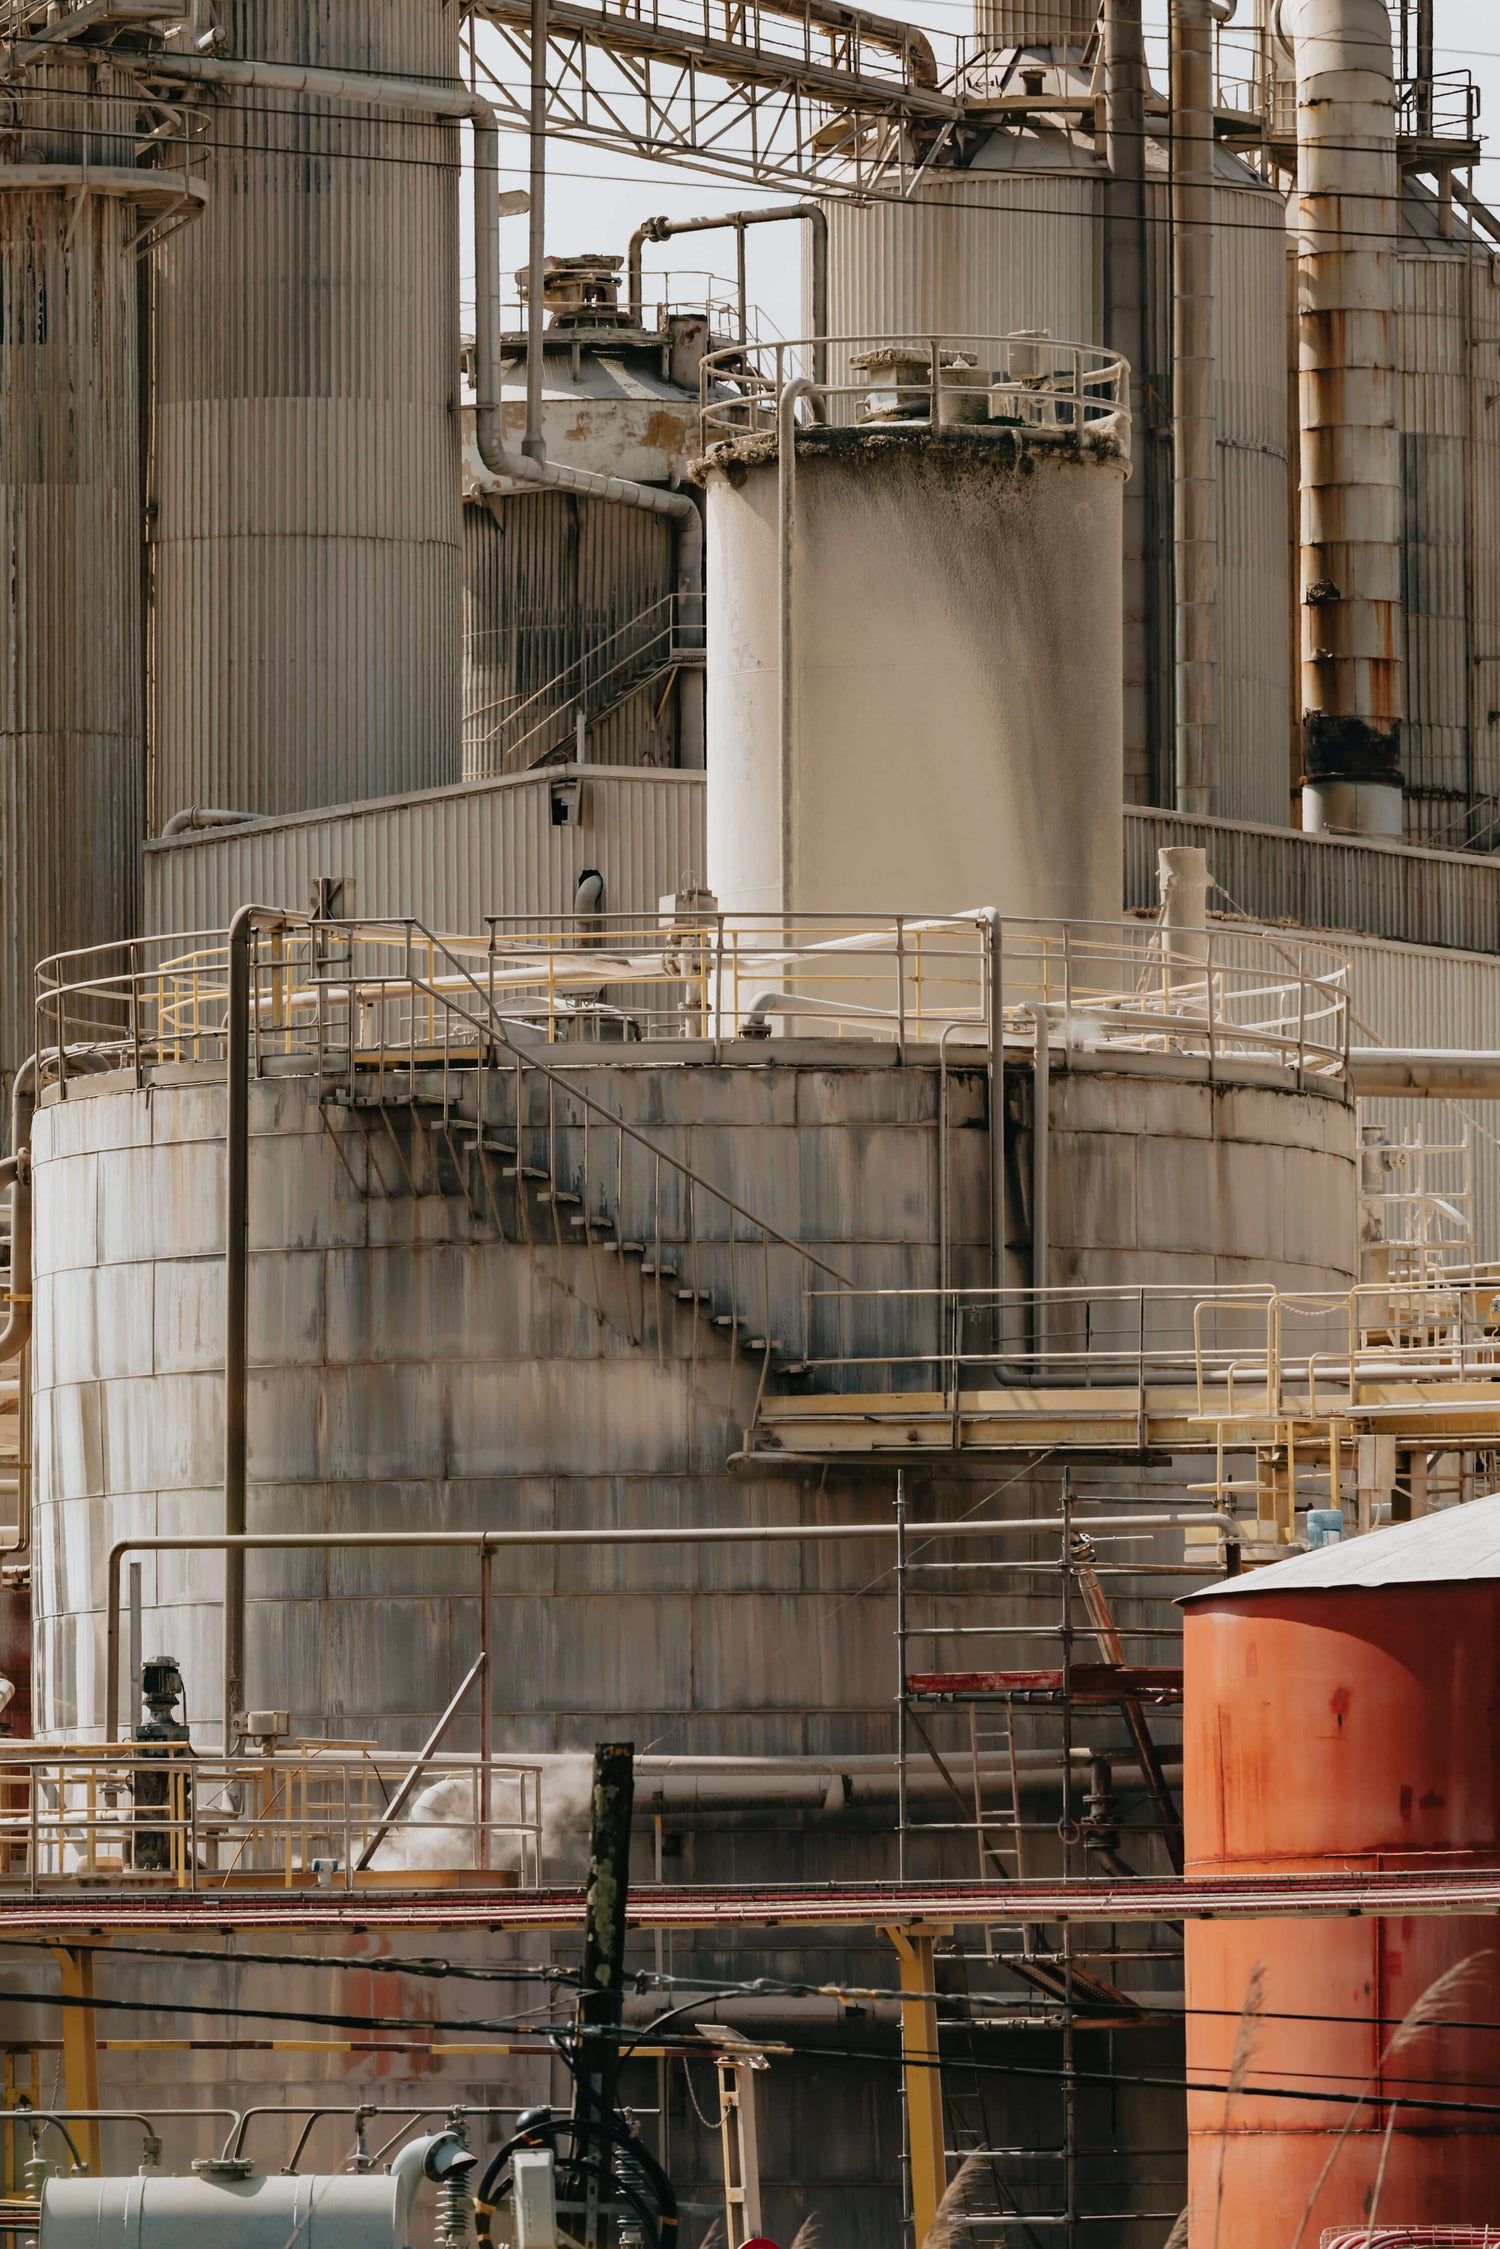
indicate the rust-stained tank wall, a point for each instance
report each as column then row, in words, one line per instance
column 306, row 537
column 1332, row 1729
column 71, row 719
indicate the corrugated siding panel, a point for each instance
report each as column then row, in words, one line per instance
column 1432, row 898
column 1255, row 582
column 1433, row 394
column 306, row 547
column 977, row 253
column 71, row 719
column 568, row 591
column 1035, row 23
column 449, row 858
column 1485, row 651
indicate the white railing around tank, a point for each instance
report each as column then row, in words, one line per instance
column 1248, row 1353
column 386, row 994
column 167, row 1815
column 1030, row 384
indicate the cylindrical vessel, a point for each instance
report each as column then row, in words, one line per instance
column 1347, row 187
column 71, row 718
column 235, row 2211
column 1339, row 1715
column 954, row 733
column 1015, row 241
column 306, row 545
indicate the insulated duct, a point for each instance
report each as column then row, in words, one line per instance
column 1195, row 468
column 1351, row 517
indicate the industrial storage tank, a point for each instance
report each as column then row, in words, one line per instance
column 1019, row 237
column 570, row 632
column 306, row 541
column 947, row 732
column 1339, row 1715
column 1447, row 334
column 71, row 678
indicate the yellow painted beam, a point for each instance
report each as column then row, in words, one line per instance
column 922, row 2078
column 80, row 2044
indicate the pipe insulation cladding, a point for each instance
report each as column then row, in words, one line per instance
column 955, row 708
column 1339, row 1712
column 1351, row 500
column 306, row 543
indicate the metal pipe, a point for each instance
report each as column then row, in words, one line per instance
column 786, row 497
column 479, row 1668
column 533, row 444
column 195, row 816
column 236, row 1297
column 480, row 1542
column 765, row 214
column 1195, row 536
column 1424, row 1073
column 1351, row 507
column 1041, row 1165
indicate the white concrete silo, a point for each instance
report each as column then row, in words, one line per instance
column 952, row 734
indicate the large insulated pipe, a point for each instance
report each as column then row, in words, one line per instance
column 767, row 214
column 1347, row 191
column 786, row 655
column 514, row 468
column 533, row 443
column 1195, row 535
column 1424, row 1073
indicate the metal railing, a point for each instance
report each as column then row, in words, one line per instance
column 383, row 994
column 505, row 735
column 1048, row 389
column 168, row 1816
column 1251, row 1353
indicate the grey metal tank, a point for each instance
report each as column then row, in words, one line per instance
column 305, row 605
column 570, row 639
column 951, row 730
column 1015, row 239
column 72, row 745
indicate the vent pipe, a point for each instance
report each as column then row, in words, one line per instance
column 1347, row 190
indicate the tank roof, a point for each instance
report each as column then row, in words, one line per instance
column 1460, row 1545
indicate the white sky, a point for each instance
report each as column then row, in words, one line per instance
column 595, row 199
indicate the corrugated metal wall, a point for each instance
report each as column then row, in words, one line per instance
column 1443, row 898
column 71, row 739
column 1432, row 334
column 306, row 546
column 1255, row 577
column 1035, row 23
column 577, row 593
column 449, row 857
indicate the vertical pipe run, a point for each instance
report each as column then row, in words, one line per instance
column 601, row 1997
column 786, row 500
column 1194, row 434
column 532, row 444
column 1351, row 504
column 236, row 1290
column 1129, row 332
column 1041, row 1169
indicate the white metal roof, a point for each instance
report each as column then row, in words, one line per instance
column 1462, row 1543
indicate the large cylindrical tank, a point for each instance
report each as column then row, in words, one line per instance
column 955, row 724
column 305, row 609
column 71, row 660
column 1339, row 1717
column 1015, row 240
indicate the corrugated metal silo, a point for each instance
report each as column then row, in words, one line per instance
column 71, row 723
column 1339, row 1717
column 305, row 603
column 1017, row 240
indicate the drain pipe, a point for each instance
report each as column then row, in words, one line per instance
column 195, row 816
column 786, row 709
column 1041, row 1167
column 457, row 102
column 1195, row 531
column 768, row 214
column 1347, row 188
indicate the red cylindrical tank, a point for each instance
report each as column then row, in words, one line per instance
column 1335, row 1725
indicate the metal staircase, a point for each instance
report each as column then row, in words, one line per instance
column 639, row 655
